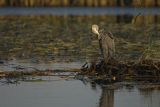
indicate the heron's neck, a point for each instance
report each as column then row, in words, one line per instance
column 99, row 37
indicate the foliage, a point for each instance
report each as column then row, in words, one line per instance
column 70, row 38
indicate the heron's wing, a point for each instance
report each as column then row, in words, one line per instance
column 111, row 45
column 105, row 49
column 102, row 32
column 110, row 35
column 100, row 46
column 110, row 40
column 108, row 43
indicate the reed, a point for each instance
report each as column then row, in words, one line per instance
column 65, row 2
column 96, row 3
column 149, row 3
column 2, row 2
column 80, row 3
column 158, row 19
column 55, row 2
column 158, row 3
column 140, row 20
column 102, row 3
column 150, row 19
column 112, row 3
column 90, row 3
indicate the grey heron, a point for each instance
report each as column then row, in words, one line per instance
column 106, row 43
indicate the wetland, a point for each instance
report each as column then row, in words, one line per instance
column 58, row 43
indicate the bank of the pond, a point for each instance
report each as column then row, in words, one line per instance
column 146, row 71
column 88, row 3
column 69, row 38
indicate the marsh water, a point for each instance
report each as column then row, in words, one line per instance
column 47, row 38
column 61, row 92
column 78, row 11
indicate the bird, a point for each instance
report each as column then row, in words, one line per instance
column 106, row 43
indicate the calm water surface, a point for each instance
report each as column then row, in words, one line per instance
column 78, row 11
column 59, row 92
column 56, row 93
column 25, row 65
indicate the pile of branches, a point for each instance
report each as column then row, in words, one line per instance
column 121, row 70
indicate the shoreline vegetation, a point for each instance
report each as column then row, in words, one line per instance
column 73, row 3
column 144, row 70
column 145, row 82
column 54, row 42
column 46, row 46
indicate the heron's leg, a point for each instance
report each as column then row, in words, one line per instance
column 110, row 54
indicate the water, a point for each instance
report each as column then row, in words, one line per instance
column 25, row 65
column 78, row 11
column 127, row 98
column 61, row 38
column 60, row 92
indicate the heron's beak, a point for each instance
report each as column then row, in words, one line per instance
column 95, row 31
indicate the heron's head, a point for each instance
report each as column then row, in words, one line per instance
column 95, row 29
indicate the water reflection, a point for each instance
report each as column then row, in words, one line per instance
column 131, row 97
column 107, row 98
column 61, row 91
